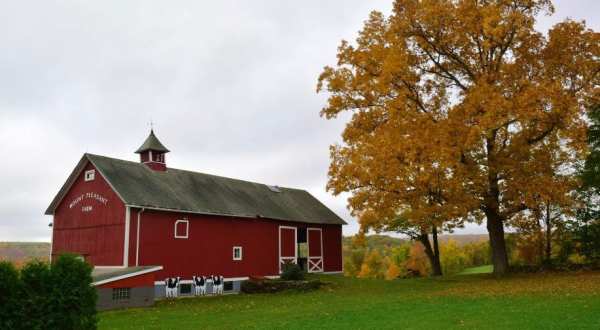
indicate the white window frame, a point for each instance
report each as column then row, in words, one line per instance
column 187, row 228
column 241, row 253
column 89, row 175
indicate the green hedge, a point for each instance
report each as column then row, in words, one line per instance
column 42, row 296
column 292, row 272
column 273, row 286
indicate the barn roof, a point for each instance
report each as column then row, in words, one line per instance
column 111, row 274
column 187, row 191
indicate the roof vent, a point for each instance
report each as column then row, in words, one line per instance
column 274, row 189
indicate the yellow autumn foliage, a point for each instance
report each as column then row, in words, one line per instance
column 462, row 111
column 393, row 272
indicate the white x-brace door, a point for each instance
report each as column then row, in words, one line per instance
column 287, row 254
column 314, row 238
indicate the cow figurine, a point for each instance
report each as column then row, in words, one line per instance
column 221, row 284
column 200, row 284
column 210, row 280
column 217, row 285
column 171, row 285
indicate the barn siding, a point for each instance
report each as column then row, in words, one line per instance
column 130, row 282
column 208, row 250
column 332, row 248
column 97, row 234
column 133, row 236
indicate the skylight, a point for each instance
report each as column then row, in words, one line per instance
column 274, row 189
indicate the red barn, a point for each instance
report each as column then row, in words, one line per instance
column 120, row 214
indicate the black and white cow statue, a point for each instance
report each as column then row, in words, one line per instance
column 209, row 280
column 171, row 286
column 217, row 285
column 200, row 285
column 221, row 284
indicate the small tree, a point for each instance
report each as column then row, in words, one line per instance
column 373, row 266
column 11, row 305
column 393, row 271
column 417, row 261
column 586, row 226
column 37, row 294
column 73, row 299
column 355, row 255
column 292, row 272
column 454, row 258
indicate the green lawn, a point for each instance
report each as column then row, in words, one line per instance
column 540, row 301
column 487, row 269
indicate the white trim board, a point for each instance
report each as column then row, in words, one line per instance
column 126, row 240
column 124, row 276
column 137, row 239
column 51, row 240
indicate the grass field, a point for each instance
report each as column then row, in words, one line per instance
column 487, row 269
column 534, row 301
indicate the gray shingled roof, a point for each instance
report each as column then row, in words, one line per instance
column 202, row 193
column 152, row 143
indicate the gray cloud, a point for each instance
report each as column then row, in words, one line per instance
column 230, row 86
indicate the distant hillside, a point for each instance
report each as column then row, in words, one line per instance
column 465, row 239
column 381, row 241
column 23, row 251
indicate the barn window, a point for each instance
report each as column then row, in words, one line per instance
column 228, row 286
column 237, row 253
column 182, row 228
column 121, row 293
column 90, row 175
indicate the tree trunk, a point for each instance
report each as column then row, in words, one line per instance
column 433, row 254
column 540, row 239
column 495, row 221
column 436, row 265
column 495, row 227
column 548, row 234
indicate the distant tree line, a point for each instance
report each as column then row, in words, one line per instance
column 47, row 296
column 378, row 257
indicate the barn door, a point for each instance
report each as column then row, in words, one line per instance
column 288, row 246
column 315, row 250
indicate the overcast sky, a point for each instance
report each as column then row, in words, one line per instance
column 229, row 85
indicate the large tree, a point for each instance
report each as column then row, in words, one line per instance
column 467, row 90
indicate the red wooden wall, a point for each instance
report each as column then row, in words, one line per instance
column 287, row 245
column 98, row 234
column 144, row 280
column 208, row 250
